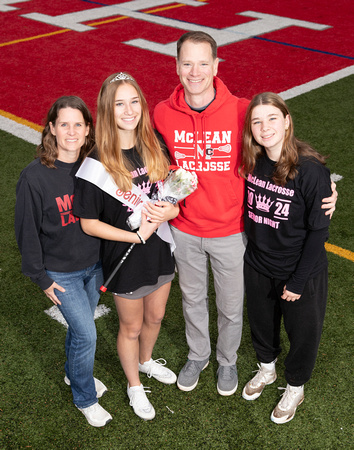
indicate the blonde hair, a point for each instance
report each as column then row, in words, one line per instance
column 286, row 167
column 107, row 136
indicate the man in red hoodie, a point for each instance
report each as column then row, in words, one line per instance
column 201, row 123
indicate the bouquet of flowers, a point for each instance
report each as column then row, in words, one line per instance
column 177, row 186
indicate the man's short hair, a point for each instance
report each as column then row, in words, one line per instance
column 197, row 37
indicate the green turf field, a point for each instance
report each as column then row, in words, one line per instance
column 36, row 409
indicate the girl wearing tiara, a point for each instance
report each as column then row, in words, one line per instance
column 130, row 153
column 285, row 260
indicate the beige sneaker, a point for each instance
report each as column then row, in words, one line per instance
column 285, row 410
column 263, row 377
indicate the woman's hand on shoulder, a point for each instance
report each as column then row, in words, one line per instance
column 161, row 211
column 51, row 294
column 329, row 203
column 289, row 296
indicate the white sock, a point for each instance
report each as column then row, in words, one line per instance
column 296, row 388
column 147, row 362
column 269, row 367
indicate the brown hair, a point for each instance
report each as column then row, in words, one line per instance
column 47, row 151
column 108, row 142
column 197, row 37
column 286, row 167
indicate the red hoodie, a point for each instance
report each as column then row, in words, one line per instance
column 208, row 143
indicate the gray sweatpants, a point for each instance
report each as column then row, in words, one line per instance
column 192, row 256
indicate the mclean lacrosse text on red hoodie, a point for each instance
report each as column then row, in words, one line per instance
column 209, row 143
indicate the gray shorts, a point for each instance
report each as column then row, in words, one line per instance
column 146, row 290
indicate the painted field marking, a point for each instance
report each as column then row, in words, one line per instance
column 21, row 128
column 93, row 24
column 25, row 122
column 347, row 254
column 39, row 36
column 319, row 82
column 323, row 52
column 264, row 23
column 54, row 313
column 4, row 5
column 74, row 20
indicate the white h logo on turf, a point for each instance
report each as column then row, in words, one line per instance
column 264, row 23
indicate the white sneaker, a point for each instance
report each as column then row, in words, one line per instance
column 157, row 370
column 263, row 377
column 285, row 410
column 100, row 387
column 140, row 403
column 96, row 415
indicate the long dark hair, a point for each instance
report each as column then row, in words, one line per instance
column 47, row 151
column 286, row 167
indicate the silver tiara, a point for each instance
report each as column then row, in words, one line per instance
column 122, row 76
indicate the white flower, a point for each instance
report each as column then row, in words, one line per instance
column 177, row 186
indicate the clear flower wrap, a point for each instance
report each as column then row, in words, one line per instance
column 177, row 186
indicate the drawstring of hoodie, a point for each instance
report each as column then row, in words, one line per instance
column 195, row 129
column 195, row 144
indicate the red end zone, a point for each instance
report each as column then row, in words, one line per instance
column 264, row 46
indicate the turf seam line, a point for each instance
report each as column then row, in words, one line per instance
column 302, row 48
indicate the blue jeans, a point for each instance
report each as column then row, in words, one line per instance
column 78, row 304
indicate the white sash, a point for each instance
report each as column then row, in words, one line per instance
column 93, row 171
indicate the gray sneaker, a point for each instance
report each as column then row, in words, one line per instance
column 189, row 375
column 227, row 380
